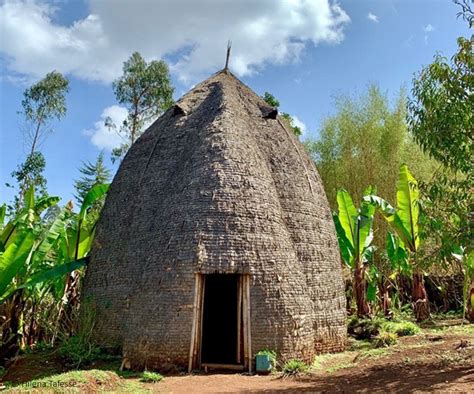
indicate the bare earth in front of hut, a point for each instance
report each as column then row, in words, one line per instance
column 434, row 360
column 415, row 365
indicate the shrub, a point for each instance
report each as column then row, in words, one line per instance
column 76, row 350
column 402, row 329
column 151, row 377
column 385, row 339
column 294, row 367
column 364, row 328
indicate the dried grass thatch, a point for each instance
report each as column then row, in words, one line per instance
column 218, row 184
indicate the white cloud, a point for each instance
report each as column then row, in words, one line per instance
column 373, row 17
column 192, row 34
column 428, row 28
column 100, row 135
column 299, row 123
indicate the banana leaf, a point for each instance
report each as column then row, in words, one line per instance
column 347, row 215
column 14, row 257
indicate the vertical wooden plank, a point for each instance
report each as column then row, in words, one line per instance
column 246, row 322
column 193, row 330
column 249, row 328
column 239, row 317
column 201, row 317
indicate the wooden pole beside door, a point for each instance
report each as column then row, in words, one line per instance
column 195, row 318
column 249, row 328
column 246, row 322
column 239, row 318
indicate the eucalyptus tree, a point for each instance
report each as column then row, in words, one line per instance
column 146, row 91
column 42, row 103
column 355, row 235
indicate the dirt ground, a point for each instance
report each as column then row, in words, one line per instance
column 416, row 365
column 433, row 361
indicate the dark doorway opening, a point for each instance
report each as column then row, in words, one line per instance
column 221, row 320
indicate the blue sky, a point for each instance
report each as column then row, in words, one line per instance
column 304, row 52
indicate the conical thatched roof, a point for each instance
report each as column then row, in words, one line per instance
column 218, row 184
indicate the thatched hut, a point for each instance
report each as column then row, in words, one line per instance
column 216, row 240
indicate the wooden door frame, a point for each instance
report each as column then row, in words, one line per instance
column 243, row 317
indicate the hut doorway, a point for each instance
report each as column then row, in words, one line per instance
column 221, row 329
column 220, row 317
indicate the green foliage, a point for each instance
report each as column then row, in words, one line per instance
column 80, row 349
column 441, row 120
column 91, row 174
column 42, row 102
column 363, row 144
column 145, row 89
column 151, row 377
column 294, row 367
column 364, row 328
column 402, row 329
column 354, row 229
column 30, row 173
column 76, row 351
column 271, row 100
column 291, row 123
column 405, row 219
column 45, row 100
column 385, row 339
column 467, row 263
column 33, row 251
column 355, row 234
column 440, row 113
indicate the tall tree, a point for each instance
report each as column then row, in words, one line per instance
column 42, row 103
column 91, row 174
column 146, row 90
column 271, row 100
column 363, row 144
column 441, row 120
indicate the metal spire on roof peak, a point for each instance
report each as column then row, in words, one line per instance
column 229, row 45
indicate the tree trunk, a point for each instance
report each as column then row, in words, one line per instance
column 10, row 332
column 66, row 318
column 31, row 339
column 421, row 306
column 385, row 297
column 360, row 291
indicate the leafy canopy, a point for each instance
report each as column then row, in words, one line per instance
column 271, row 100
column 45, row 100
column 441, row 115
column 145, row 89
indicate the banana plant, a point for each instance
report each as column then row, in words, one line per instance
column 355, row 235
column 74, row 246
column 37, row 253
column 467, row 263
column 405, row 222
column 397, row 255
